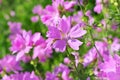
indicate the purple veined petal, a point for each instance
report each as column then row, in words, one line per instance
column 21, row 76
column 45, row 18
column 60, row 45
column 65, row 75
column 20, row 55
column 98, row 8
column 26, row 58
column 27, row 36
column 10, row 64
column 15, row 27
column 76, row 32
column 108, row 66
column 27, row 49
column 48, row 51
column 40, row 53
column 64, row 25
column 33, row 76
column 79, row 15
column 25, row 76
column 37, row 10
column 56, row 3
column 50, row 8
column 17, row 44
column 69, row 5
column 49, row 41
column 36, row 52
column 42, row 57
column 89, row 57
column 88, row 13
column 50, row 16
column 117, row 59
column 36, row 37
column 51, row 76
column 74, row 43
column 53, row 33
column 113, row 76
column 77, row 18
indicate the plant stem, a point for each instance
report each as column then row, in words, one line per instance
column 101, row 58
column 68, row 54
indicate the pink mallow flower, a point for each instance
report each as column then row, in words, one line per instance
column 15, row 28
column 65, row 5
column 8, row 63
column 21, row 76
column 115, row 46
column 21, row 44
column 61, row 69
column 25, row 41
column 38, row 10
column 93, row 54
column 98, row 8
column 51, row 13
column 64, row 34
column 42, row 49
column 77, row 19
column 110, row 68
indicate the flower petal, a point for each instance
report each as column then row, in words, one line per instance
column 20, row 55
column 64, row 25
column 37, row 51
column 74, row 43
column 76, row 32
column 60, row 45
column 53, row 33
